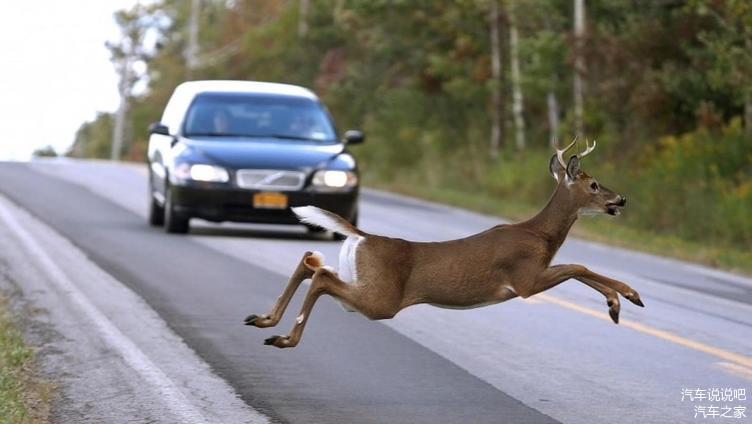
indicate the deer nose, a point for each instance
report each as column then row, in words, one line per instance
column 622, row 201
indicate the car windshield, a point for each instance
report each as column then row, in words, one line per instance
column 258, row 115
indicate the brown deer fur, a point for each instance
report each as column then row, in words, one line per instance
column 490, row 267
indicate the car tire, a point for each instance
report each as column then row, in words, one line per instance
column 156, row 212
column 174, row 222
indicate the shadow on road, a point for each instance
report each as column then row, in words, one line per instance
column 262, row 232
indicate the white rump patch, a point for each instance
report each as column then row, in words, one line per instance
column 348, row 271
column 321, row 218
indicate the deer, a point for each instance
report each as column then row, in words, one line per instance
column 379, row 276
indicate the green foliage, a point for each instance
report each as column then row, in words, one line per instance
column 94, row 139
column 47, row 151
column 666, row 83
column 697, row 185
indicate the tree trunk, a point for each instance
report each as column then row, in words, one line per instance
column 579, row 66
column 118, row 132
column 191, row 51
column 305, row 6
column 497, row 100
column 553, row 119
column 748, row 116
column 518, row 108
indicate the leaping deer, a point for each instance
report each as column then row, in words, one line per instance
column 379, row 276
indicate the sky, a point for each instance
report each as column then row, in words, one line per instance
column 55, row 72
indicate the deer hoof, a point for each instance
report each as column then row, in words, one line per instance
column 278, row 341
column 614, row 313
column 251, row 319
column 260, row 321
column 635, row 298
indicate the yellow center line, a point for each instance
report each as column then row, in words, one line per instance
column 736, row 358
column 736, row 370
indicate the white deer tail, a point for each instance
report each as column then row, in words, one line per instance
column 327, row 220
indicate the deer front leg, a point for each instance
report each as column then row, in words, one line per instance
column 624, row 289
column 304, row 270
column 612, row 299
column 355, row 296
column 557, row 274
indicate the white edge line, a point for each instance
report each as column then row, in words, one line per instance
column 174, row 399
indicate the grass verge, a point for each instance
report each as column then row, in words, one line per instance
column 24, row 398
column 600, row 229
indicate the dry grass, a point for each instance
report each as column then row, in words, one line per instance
column 24, row 397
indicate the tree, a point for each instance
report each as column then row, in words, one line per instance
column 497, row 94
column 134, row 24
column 47, row 151
column 579, row 66
column 514, row 57
column 729, row 48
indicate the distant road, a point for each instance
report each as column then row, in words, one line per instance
column 552, row 358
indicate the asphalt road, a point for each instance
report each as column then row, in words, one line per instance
column 552, row 358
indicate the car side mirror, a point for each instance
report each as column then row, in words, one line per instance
column 159, row 128
column 354, row 137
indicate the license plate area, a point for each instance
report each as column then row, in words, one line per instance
column 267, row 200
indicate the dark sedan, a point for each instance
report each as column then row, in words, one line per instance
column 247, row 152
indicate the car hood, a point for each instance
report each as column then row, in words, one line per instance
column 239, row 153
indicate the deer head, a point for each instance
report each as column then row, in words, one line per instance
column 588, row 194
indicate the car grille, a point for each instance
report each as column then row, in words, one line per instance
column 270, row 179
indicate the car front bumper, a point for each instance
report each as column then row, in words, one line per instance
column 219, row 204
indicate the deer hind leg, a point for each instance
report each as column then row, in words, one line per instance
column 355, row 296
column 305, row 269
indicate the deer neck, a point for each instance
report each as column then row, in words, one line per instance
column 555, row 220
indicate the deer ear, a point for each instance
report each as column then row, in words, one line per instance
column 555, row 168
column 573, row 168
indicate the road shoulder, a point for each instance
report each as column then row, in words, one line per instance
column 115, row 359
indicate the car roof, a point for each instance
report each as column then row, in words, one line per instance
column 192, row 88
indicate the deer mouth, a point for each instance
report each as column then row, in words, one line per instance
column 613, row 209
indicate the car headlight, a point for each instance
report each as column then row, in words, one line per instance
column 202, row 172
column 329, row 179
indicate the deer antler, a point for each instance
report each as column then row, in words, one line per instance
column 587, row 150
column 560, row 152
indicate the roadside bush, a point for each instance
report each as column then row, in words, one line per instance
column 697, row 186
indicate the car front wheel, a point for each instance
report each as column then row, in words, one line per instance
column 156, row 211
column 173, row 221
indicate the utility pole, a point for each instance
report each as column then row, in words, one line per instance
column 579, row 66
column 192, row 49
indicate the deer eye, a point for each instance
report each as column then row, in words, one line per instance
column 594, row 186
